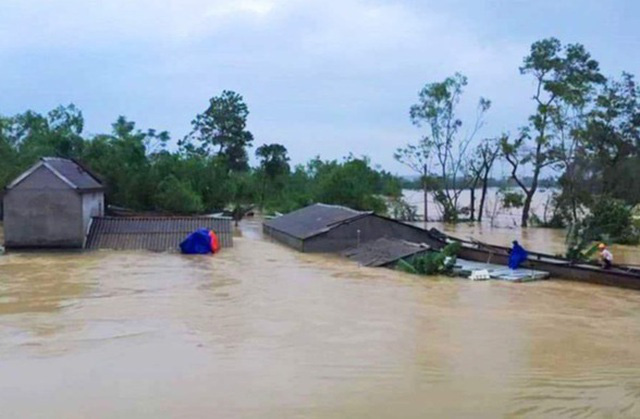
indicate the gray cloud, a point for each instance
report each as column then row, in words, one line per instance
column 322, row 77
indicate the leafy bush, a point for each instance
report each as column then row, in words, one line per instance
column 352, row 184
column 402, row 210
column 449, row 211
column 452, row 249
column 613, row 218
column 429, row 263
column 432, row 263
column 512, row 199
column 580, row 245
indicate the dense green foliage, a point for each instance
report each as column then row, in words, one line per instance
column 208, row 172
column 580, row 246
column 432, row 262
column 511, row 199
column 611, row 218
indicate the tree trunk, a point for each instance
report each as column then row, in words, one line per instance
column 472, row 210
column 262, row 193
column 485, row 180
column 534, row 185
column 425, row 189
column 527, row 207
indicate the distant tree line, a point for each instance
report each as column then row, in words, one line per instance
column 208, row 172
column 585, row 129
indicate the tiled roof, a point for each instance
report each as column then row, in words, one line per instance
column 383, row 251
column 312, row 220
column 73, row 172
column 152, row 233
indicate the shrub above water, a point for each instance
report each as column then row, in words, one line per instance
column 613, row 218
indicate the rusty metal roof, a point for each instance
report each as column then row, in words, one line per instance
column 384, row 251
column 152, row 233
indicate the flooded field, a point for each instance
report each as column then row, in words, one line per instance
column 260, row 331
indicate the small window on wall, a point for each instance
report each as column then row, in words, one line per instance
column 100, row 209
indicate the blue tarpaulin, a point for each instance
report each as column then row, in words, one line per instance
column 197, row 243
column 517, row 256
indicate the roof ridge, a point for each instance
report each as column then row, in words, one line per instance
column 341, row 207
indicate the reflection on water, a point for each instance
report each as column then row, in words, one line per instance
column 262, row 331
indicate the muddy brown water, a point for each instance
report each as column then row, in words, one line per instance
column 260, row 331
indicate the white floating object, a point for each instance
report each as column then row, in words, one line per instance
column 479, row 275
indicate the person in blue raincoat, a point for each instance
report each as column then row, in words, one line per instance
column 517, row 255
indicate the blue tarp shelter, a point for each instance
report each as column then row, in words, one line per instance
column 197, row 243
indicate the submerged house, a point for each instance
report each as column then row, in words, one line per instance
column 58, row 203
column 334, row 228
column 153, row 233
column 51, row 205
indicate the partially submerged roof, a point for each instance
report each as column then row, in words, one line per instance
column 152, row 233
column 69, row 171
column 384, row 251
column 313, row 220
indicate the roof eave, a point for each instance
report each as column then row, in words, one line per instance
column 24, row 175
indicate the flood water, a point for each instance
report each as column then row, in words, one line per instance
column 260, row 331
column 494, row 212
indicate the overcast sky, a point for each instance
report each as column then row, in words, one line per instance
column 321, row 77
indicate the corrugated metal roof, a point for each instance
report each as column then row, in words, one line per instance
column 312, row 220
column 73, row 172
column 383, row 251
column 152, row 233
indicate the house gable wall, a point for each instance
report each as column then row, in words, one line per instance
column 283, row 238
column 43, row 211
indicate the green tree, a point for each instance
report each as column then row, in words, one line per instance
column 612, row 138
column 222, row 130
column 480, row 165
column 33, row 135
column 8, row 154
column 564, row 79
column 436, row 111
column 352, row 184
column 611, row 219
column 417, row 158
column 207, row 177
column 244, row 194
column 122, row 159
column 178, row 197
column 274, row 164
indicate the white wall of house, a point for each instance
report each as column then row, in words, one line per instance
column 92, row 206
